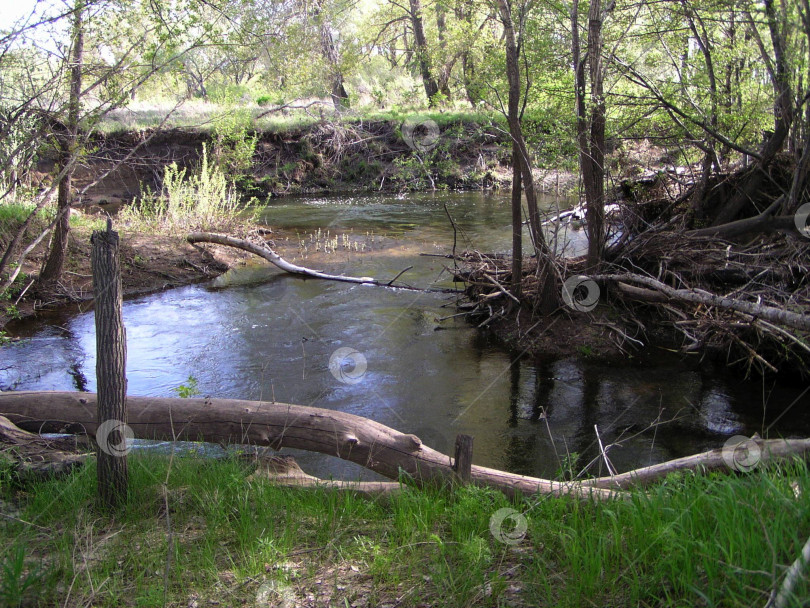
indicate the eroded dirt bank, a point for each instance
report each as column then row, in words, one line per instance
column 318, row 159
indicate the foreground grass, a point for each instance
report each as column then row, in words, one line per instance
column 212, row 537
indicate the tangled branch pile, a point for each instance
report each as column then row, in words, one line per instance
column 740, row 291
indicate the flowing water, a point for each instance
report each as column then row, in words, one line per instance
column 257, row 333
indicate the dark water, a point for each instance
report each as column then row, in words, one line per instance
column 259, row 334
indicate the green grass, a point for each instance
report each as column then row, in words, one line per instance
column 203, row 116
column 15, row 213
column 691, row 541
column 201, row 200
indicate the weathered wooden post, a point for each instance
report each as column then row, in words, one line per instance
column 462, row 464
column 111, row 356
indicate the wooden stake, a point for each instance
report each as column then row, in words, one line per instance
column 111, row 358
column 463, row 462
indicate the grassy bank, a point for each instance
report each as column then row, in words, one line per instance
column 198, row 532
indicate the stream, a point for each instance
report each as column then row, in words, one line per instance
column 256, row 333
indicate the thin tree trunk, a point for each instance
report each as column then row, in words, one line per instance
column 340, row 98
column 548, row 296
column 463, row 12
column 699, row 195
column 517, row 225
column 783, row 117
column 111, row 356
column 52, row 270
column 422, row 52
column 591, row 130
column 446, row 65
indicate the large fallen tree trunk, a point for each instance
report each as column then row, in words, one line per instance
column 263, row 251
column 234, row 421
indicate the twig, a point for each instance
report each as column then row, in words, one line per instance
column 610, row 468
column 401, row 272
column 453, row 224
column 22, row 293
column 502, row 289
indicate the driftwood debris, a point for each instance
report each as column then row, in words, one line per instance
column 769, row 313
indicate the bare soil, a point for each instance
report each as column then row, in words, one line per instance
column 149, row 263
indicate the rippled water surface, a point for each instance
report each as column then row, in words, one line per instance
column 259, row 334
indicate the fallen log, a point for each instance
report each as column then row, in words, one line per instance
column 265, row 252
column 769, row 313
column 277, row 425
column 713, row 460
column 33, row 457
column 285, row 471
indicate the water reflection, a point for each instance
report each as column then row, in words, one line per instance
column 259, row 334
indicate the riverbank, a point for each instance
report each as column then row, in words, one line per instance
column 203, row 532
column 149, row 263
column 431, row 151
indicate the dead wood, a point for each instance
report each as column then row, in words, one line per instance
column 365, row 442
column 277, row 425
column 713, row 460
column 265, row 252
column 283, row 470
column 33, row 457
column 769, row 313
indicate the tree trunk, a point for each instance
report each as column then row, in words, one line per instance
column 463, row 12
column 422, row 52
column 111, row 356
column 446, row 66
column 591, row 130
column 340, row 98
column 468, row 73
column 783, row 117
column 359, row 440
column 548, row 294
column 709, row 158
column 517, row 225
column 52, row 270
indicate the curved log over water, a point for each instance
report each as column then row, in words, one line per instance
column 235, row 421
column 264, row 251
